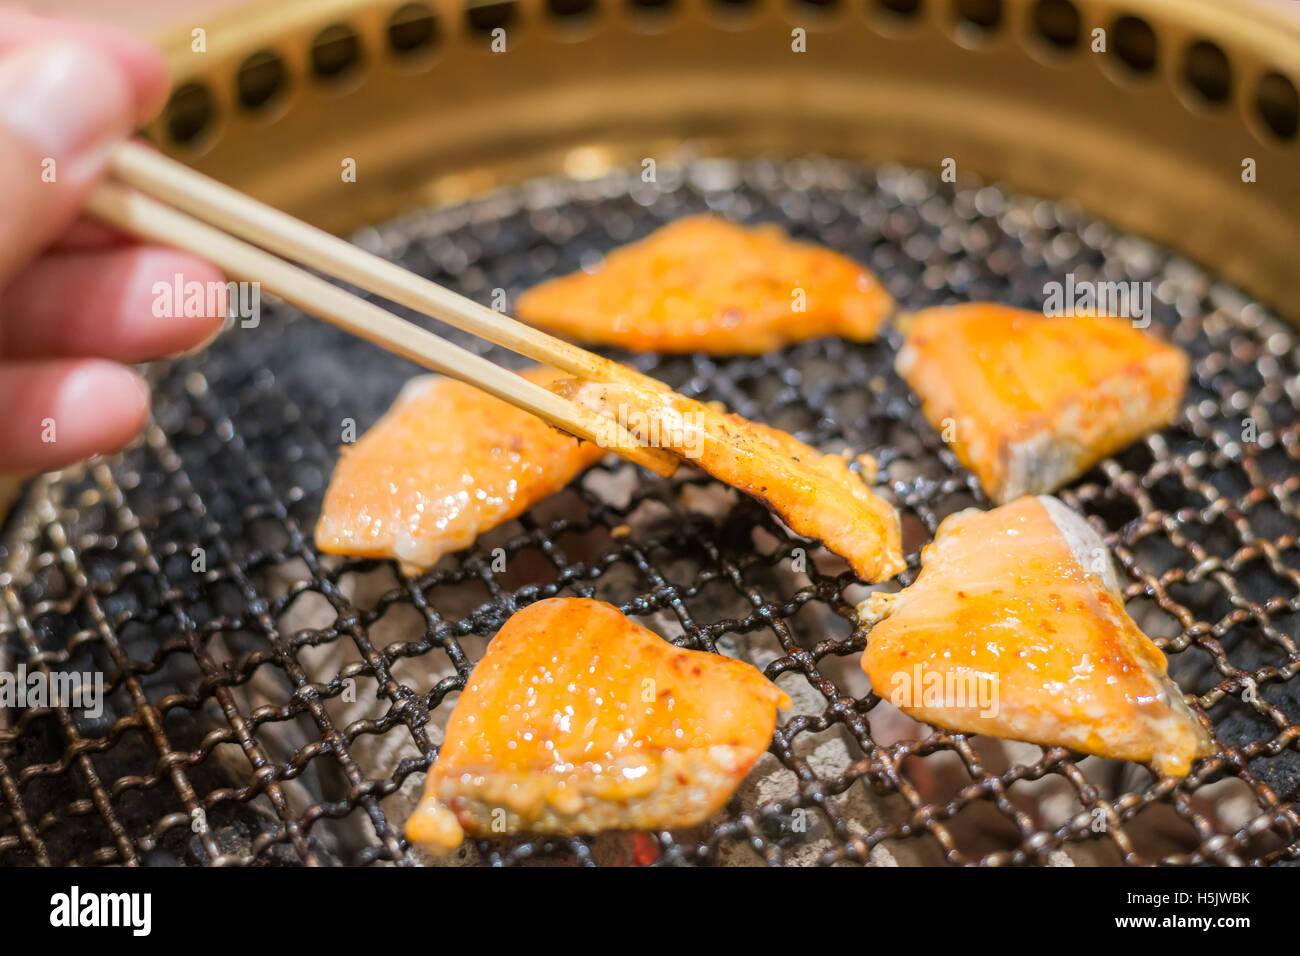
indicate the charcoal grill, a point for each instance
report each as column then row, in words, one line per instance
column 270, row 705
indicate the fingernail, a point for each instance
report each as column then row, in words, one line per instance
column 99, row 407
column 66, row 100
column 97, row 386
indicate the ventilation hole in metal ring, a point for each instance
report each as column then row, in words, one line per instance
column 571, row 9
column 899, row 8
column 1278, row 105
column 652, row 6
column 1057, row 22
column 335, row 52
column 260, row 80
column 412, row 29
column 486, row 17
column 1135, row 44
column 984, row 14
column 1207, row 71
column 975, row 22
column 189, row 112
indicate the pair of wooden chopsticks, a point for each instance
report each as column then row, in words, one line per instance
column 164, row 201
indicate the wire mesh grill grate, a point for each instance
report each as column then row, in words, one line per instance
column 280, row 707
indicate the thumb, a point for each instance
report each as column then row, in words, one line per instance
column 63, row 105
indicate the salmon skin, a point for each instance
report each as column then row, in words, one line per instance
column 1029, row 403
column 1016, row 628
column 445, row 463
column 577, row 720
column 705, row 284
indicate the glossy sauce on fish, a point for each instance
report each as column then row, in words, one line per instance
column 817, row 495
column 1029, row 403
column 577, row 719
column 705, row 284
column 1016, row 628
column 446, row 463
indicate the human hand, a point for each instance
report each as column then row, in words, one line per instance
column 75, row 297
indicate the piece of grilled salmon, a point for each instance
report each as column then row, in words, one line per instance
column 1016, row 628
column 578, row 720
column 705, row 284
column 444, row 464
column 1028, row 403
column 817, row 495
